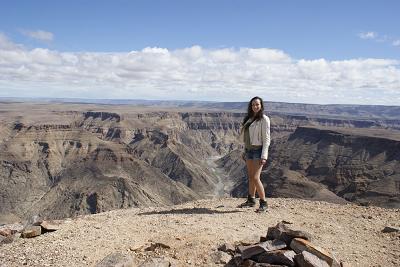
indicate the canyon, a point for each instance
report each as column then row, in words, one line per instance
column 63, row 159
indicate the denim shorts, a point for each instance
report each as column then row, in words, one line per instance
column 253, row 153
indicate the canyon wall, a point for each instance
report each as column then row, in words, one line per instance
column 61, row 161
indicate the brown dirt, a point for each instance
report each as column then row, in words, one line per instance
column 193, row 231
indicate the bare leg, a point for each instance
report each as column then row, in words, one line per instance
column 250, row 173
column 254, row 170
column 257, row 180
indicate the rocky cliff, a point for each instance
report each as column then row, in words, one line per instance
column 65, row 160
column 64, row 163
column 331, row 164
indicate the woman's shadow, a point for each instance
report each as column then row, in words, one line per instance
column 191, row 211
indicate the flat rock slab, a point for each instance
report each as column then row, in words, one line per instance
column 280, row 257
column 50, row 226
column 31, row 231
column 299, row 245
column 252, row 250
column 306, row 259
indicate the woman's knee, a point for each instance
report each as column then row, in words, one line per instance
column 255, row 178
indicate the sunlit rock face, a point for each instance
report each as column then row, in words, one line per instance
column 333, row 164
column 87, row 162
column 70, row 159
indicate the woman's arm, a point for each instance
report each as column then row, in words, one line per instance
column 266, row 137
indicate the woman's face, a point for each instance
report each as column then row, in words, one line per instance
column 256, row 105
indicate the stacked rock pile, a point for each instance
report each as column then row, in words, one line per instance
column 281, row 246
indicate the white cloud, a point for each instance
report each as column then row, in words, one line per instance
column 367, row 35
column 265, row 55
column 196, row 73
column 396, row 42
column 40, row 35
column 380, row 38
column 6, row 44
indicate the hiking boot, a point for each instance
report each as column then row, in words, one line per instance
column 250, row 202
column 263, row 206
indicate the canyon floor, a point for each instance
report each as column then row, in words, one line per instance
column 193, row 231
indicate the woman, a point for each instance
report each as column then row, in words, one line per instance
column 255, row 133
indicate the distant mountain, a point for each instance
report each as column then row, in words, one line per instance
column 334, row 110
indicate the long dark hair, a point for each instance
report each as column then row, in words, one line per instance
column 250, row 112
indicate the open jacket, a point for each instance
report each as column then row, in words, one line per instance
column 259, row 132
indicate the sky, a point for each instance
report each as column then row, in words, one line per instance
column 310, row 51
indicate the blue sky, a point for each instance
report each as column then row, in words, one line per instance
column 290, row 51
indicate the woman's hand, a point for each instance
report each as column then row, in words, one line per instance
column 244, row 156
column 263, row 161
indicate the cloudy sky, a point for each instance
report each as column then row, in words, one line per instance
column 311, row 51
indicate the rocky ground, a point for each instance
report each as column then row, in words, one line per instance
column 189, row 234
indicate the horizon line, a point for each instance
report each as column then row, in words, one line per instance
column 84, row 100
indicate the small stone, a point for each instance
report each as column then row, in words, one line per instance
column 31, row 231
column 220, row 257
column 50, row 226
column 6, row 239
column 156, row 262
column 116, row 260
column 229, row 248
column 390, row 229
column 157, row 245
column 5, row 232
column 135, row 248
